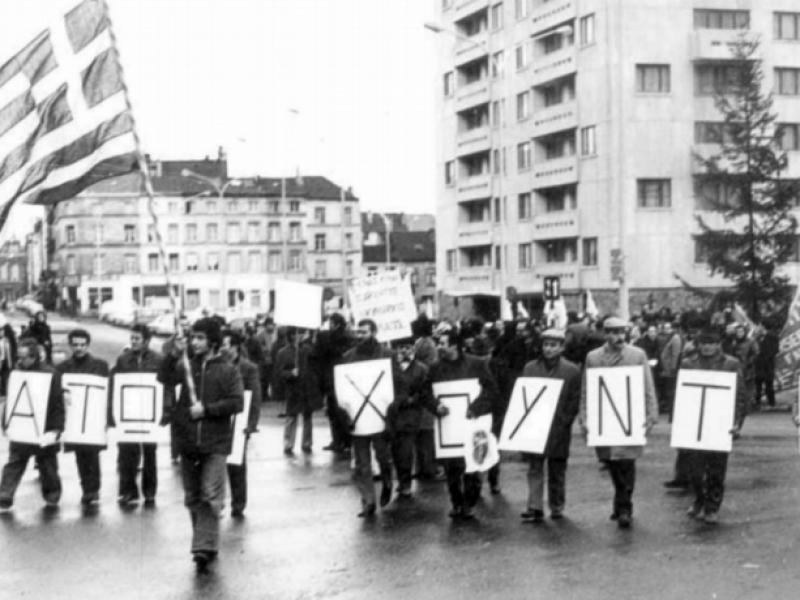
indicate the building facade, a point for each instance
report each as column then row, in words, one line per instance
column 568, row 135
column 13, row 272
column 225, row 241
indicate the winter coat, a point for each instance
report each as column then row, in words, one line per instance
column 219, row 388
column 302, row 392
column 670, row 356
column 746, row 351
column 768, row 347
column 722, row 362
column 626, row 357
column 148, row 361
column 425, row 351
column 251, row 382
column 412, row 399
column 558, row 440
column 90, row 366
column 329, row 351
column 469, row 367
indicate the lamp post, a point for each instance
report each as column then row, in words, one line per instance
column 388, row 228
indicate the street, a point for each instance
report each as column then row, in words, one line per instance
column 300, row 537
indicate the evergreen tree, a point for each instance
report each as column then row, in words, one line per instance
column 743, row 182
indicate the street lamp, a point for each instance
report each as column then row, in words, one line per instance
column 387, row 227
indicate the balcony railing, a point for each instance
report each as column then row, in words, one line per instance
column 549, row 14
column 474, row 188
column 472, row 141
column 559, row 171
column 567, row 272
column 554, row 65
column 465, row 8
column 474, row 234
column 714, row 44
column 472, row 48
column 554, row 225
column 555, row 118
column 472, row 94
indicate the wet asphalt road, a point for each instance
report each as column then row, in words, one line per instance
column 300, row 538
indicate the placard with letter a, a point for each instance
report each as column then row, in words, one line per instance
column 615, row 406
column 25, row 413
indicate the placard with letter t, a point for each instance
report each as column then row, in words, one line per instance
column 615, row 411
column 705, row 404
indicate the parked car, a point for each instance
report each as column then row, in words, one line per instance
column 118, row 312
column 28, row 305
column 163, row 324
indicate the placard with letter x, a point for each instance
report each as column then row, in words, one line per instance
column 365, row 390
column 530, row 414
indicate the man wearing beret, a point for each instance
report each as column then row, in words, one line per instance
column 553, row 366
column 621, row 460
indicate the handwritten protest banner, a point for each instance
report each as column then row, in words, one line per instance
column 25, row 414
column 137, row 406
column 365, row 390
column 530, row 414
column 86, row 404
column 386, row 298
column 705, row 402
column 480, row 445
column 615, row 406
column 449, row 431
column 239, row 444
column 298, row 304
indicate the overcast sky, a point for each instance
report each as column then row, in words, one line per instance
column 360, row 74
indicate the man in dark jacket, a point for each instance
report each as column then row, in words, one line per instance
column 202, row 417
column 328, row 352
column 768, row 348
column 231, row 349
column 556, row 451
column 87, row 457
column 137, row 359
column 453, row 365
column 46, row 458
column 8, row 352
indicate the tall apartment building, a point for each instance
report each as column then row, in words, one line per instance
column 224, row 247
column 567, row 135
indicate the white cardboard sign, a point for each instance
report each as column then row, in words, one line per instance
column 138, row 404
column 298, row 304
column 530, row 413
column 386, row 298
column 615, row 406
column 25, row 412
column 705, row 403
column 239, row 443
column 86, row 404
column 365, row 390
column 480, row 445
column 449, row 431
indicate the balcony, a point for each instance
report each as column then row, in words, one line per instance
column 706, row 151
column 549, row 14
column 472, row 141
column 464, row 8
column 559, row 171
column 477, row 278
column 471, row 49
column 554, row 65
column 474, row 234
column 471, row 95
column 793, row 166
column 555, row 118
column 567, row 272
column 474, row 188
column 714, row 44
column 559, row 224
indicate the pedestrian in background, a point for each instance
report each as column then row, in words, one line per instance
column 40, row 331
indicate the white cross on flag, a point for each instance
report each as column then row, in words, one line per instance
column 65, row 121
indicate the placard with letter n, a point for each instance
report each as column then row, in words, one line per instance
column 25, row 414
column 615, row 406
column 705, row 405
column 450, row 430
column 138, row 404
column 529, row 417
column 365, row 390
column 86, row 404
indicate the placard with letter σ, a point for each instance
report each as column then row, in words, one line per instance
column 449, row 431
column 137, row 406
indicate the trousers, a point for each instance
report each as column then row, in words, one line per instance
column 128, row 464
column 556, row 481
column 204, row 496
column 290, row 431
column 707, row 474
column 88, row 463
column 237, row 479
column 46, row 460
column 362, row 449
column 464, row 488
column 623, row 475
column 403, row 456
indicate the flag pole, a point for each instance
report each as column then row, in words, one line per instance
column 148, row 186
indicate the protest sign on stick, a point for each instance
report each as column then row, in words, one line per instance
column 615, row 406
column 530, row 414
column 386, row 298
column 86, row 404
column 240, row 420
column 365, row 390
column 449, row 431
column 138, row 405
column 480, row 445
column 298, row 304
column 705, row 403
column 25, row 414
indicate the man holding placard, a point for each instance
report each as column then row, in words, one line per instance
column 552, row 366
column 87, row 456
column 618, row 408
column 707, row 413
column 35, row 402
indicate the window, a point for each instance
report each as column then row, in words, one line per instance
column 561, row 251
column 558, row 145
column 295, row 260
column 294, row 232
column 151, row 233
column 71, row 270
column 274, row 232
column 654, row 193
column 559, row 198
column 700, row 251
column 319, row 241
column 319, row 215
column 711, row 194
column 191, row 232
column 152, row 262
column 172, row 233
column 129, row 232
column 274, row 206
column 523, row 106
column 348, row 241
column 589, row 252
column 70, row 234
column 191, row 261
column 498, row 64
column 496, row 16
column 449, row 83
column 294, row 206
column 521, row 8
column 450, row 172
column 711, row 79
column 252, row 205
column 498, row 111
column 526, row 256
column 713, row 132
column 789, row 136
column 172, row 207
column 522, row 56
column 320, row 269
column 560, row 91
column 523, row 156
column 498, row 215
column 254, row 261
column 211, row 206
column 524, row 206
column 588, row 146
column 786, row 26
column 274, row 261
column 721, row 19
column 234, row 233
column 211, row 232
column 130, row 264
column 255, row 299
column 174, row 264
column 234, row 297
column 253, row 232
column 212, row 260
column 234, row 262
column 450, row 259
column 348, row 215
column 587, row 30
column 498, row 258
column 214, row 298
column 787, row 81
column 233, row 206
column 652, row 79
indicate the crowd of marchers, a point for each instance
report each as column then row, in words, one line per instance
column 207, row 368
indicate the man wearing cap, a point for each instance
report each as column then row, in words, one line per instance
column 621, row 460
column 203, row 430
column 552, row 365
column 706, row 469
